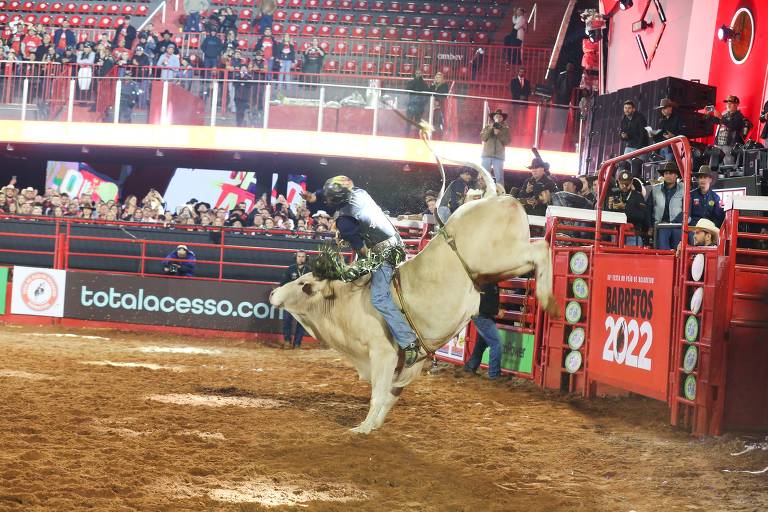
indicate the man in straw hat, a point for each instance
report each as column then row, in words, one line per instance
column 665, row 204
column 495, row 136
column 705, row 203
column 703, row 234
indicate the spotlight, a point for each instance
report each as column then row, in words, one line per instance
column 725, row 33
column 237, row 156
column 85, row 150
column 407, row 168
column 9, row 147
column 323, row 161
column 625, row 4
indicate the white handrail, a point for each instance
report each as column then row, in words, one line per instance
column 532, row 16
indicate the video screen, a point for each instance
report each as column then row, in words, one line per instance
column 77, row 178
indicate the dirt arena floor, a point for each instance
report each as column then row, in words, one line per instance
column 198, row 424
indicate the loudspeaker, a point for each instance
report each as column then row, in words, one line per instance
column 687, row 94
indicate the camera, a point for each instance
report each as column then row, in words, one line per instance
column 710, row 108
column 497, row 126
column 173, row 269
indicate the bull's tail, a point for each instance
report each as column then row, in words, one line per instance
column 542, row 261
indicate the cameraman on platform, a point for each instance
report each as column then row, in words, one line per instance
column 180, row 262
column 495, row 137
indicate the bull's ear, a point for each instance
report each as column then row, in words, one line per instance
column 307, row 288
column 327, row 290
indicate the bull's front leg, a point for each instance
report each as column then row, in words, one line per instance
column 383, row 364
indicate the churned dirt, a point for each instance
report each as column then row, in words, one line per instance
column 238, row 426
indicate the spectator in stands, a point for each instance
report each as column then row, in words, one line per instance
column 266, row 44
column 440, row 88
column 122, row 56
column 540, row 199
column 588, row 188
column 293, row 272
column 417, row 100
column 193, row 9
column 42, row 49
column 162, row 47
column 632, row 130
column 732, row 127
column 148, row 42
column 129, row 96
column 528, row 194
column 169, row 62
column 566, row 82
column 30, row 43
column 456, row 193
column 670, row 125
column 180, row 262
column 313, row 60
column 212, row 48
column 86, row 60
column 64, row 37
column 285, row 53
column 520, row 28
column 705, row 233
column 495, row 137
column 665, row 204
column 229, row 23
column 630, row 202
column 126, row 33
column 705, row 203
column 265, row 12
column 520, row 86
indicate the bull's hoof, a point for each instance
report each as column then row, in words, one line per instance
column 362, row 429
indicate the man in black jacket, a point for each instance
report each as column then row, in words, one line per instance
column 670, row 125
column 732, row 128
column 292, row 273
column 528, row 194
column 632, row 203
column 632, row 131
column 455, row 193
column 520, row 86
column 487, row 333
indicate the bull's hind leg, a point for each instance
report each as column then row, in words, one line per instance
column 383, row 363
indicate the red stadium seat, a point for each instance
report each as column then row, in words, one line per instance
column 426, row 69
column 75, row 20
column 346, row 5
column 119, row 22
column 113, row 9
column 359, row 32
column 382, row 20
column 246, row 14
column 462, row 37
column 15, row 18
column 46, row 19
column 495, row 12
column 4, row 20
column 427, row 8
column 179, row 40
column 57, row 7
column 294, row 4
column 340, row 48
column 242, row 44
column 243, row 27
column 59, row 19
column 277, row 29
column 314, row 17
column 444, row 36
column 417, row 21
column 394, row 6
column 304, row 46
column 341, row 32
column 426, row 34
column 331, row 17
column 365, row 19
column 375, row 33
column 309, row 31
column 324, row 31
column 361, row 5
column 347, row 19
column 69, row 7
column 391, row 33
column 99, row 9
column 409, row 7
column 387, row 68
column 325, row 46
column 461, row 10
column 105, row 22
column 406, row 69
column 128, row 9
column 369, row 68
column 248, row 3
column 313, row 4
column 281, row 4
column 331, row 66
column 350, row 66
column 399, row 20
column 445, row 70
column 433, row 22
column 293, row 30
column 31, row 19
column 412, row 52
column 395, row 51
column 328, row 4
column 90, row 21
column 280, row 16
column 28, row 6
column 408, row 34
column 142, row 10
column 378, row 6
column 469, row 24
column 194, row 41
column 445, row 9
column 478, row 11
column 376, row 50
column 296, row 17
column 488, row 26
column 233, row 3
column 358, row 48
column 451, row 23
column 41, row 7
column 84, row 8
column 481, row 37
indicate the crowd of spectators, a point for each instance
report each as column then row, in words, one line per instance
column 264, row 217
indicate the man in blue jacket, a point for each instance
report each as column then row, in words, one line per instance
column 212, row 47
column 705, row 203
column 180, row 262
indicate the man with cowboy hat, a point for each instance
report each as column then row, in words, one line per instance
column 732, row 127
column 495, row 137
column 670, row 125
column 539, row 177
column 703, row 234
column 665, row 204
column 631, row 203
column 705, row 203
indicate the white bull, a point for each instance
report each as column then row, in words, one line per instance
column 492, row 237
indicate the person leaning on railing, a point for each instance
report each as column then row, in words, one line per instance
column 180, row 262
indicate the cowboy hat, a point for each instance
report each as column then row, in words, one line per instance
column 576, row 182
column 166, row 31
column 664, row 103
column 624, row 177
column 705, row 170
column 198, row 205
column 321, row 213
column 499, row 112
column 668, row 166
column 731, row 99
column 708, row 226
column 537, row 163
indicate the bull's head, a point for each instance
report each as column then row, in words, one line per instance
column 302, row 293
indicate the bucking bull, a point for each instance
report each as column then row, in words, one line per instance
column 487, row 240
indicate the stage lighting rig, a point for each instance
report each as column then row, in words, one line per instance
column 726, row 33
column 594, row 23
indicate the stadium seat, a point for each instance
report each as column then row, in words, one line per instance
column 340, row 48
column 387, row 68
column 358, row 48
column 365, row 19
column 394, row 6
column 41, row 7
column 369, row 68
column 382, row 20
column 277, row 29
column 331, row 66
column 408, row 34
column 242, row 44
column 296, row 17
column 281, row 4
column 325, row 46
column 461, row 10
column 378, row 6
column 488, row 26
column 179, row 40
column 445, row 70
column 406, row 69
column 359, row 32
column 324, row 31
column 74, row 21
column 119, row 22
column 313, row 4
column 328, row 4
column 469, row 24
column 409, row 7
column 142, row 10
column 462, row 37
column 279, row 16
column 412, row 52
column 346, row 5
column 309, row 31
column 395, row 51
column 314, row 17
column 28, row 6
column 194, row 41
column 99, row 9
column 451, row 23
column 445, row 9
column 57, row 7
column 426, row 34
column 433, row 22
column 113, row 9
column 331, row 18
column 341, row 32
column 15, row 18
column 417, row 21
column 347, row 19
column 391, row 34
column 46, row 19
column 84, row 8
column 495, row 12
column 478, row 11
column 350, row 66
column 4, row 20
column 294, row 4
column 104, row 23
column 243, row 27
column 375, row 33
column 69, row 7
column 246, row 14
column 481, row 37
column 293, row 30
column 90, row 21
column 444, row 36
column 376, row 50
column 248, row 3
column 233, row 3
column 399, row 20
column 31, row 19
column 59, row 19
column 426, row 69
column 427, row 8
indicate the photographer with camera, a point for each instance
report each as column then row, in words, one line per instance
column 180, row 262
column 495, row 136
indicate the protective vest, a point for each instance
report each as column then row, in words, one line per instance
column 375, row 226
column 675, row 203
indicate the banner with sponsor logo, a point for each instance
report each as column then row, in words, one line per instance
column 38, row 291
column 516, row 351
column 630, row 322
column 179, row 302
column 454, row 349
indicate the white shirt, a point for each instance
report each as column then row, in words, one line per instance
column 521, row 25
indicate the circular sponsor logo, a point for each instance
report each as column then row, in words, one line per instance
column 573, row 312
column 39, row 291
column 691, row 328
column 579, row 262
column 697, row 267
column 580, row 288
column 573, row 361
column 576, row 338
column 689, row 388
column 696, row 300
column 690, row 359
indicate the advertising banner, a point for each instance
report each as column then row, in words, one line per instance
column 630, row 322
column 516, row 351
column 224, row 306
column 77, row 178
column 455, row 347
column 38, row 291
